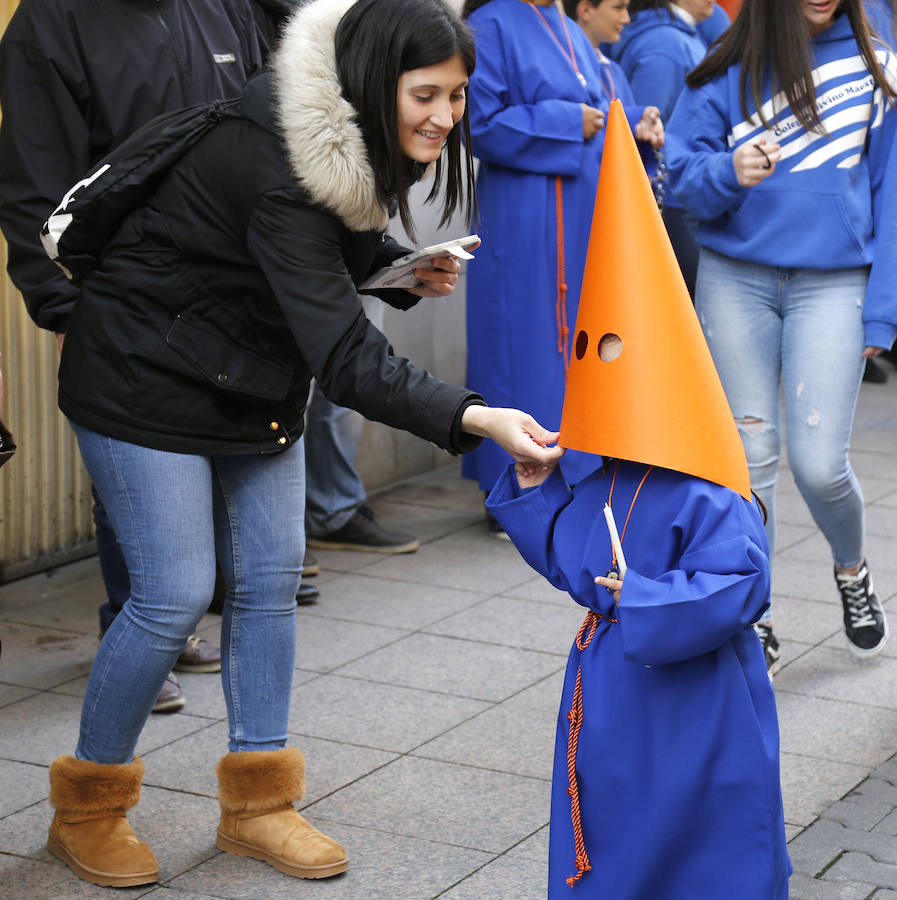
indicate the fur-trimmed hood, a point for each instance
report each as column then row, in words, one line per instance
column 324, row 141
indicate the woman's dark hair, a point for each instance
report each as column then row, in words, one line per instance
column 471, row 6
column 770, row 36
column 636, row 6
column 376, row 41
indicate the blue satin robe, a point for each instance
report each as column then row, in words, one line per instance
column 677, row 760
column 526, row 125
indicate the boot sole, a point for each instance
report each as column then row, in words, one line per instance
column 410, row 547
column 94, row 876
column 229, row 845
column 198, row 668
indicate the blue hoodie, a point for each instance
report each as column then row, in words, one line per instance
column 656, row 51
column 713, row 26
column 831, row 202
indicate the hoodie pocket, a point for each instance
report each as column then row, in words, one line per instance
column 226, row 364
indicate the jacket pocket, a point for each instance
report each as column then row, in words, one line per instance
column 226, row 364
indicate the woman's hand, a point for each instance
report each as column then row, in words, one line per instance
column 650, row 127
column 755, row 162
column 869, row 352
column 517, row 432
column 439, row 280
column 592, row 121
column 614, row 585
column 530, row 474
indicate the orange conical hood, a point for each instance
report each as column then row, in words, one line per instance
column 660, row 400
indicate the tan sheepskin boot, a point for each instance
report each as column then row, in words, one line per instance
column 90, row 832
column 256, row 791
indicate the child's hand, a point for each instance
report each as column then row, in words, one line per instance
column 612, row 584
column 531, row 474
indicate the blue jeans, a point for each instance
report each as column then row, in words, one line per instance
column 171, row 513
column 795, row 334
column 112, row 565
column 334, row 489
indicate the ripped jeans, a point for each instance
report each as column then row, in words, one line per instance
column 797, row 335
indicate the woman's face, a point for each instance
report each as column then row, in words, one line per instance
column 603, row 23
column 429, row 103
column 819, row 13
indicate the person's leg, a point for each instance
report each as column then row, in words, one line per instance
column 738, row 307
column 682, row 231
column 260, row 538
column 112, row 565
column 336, row 516
column 160, row 505
column 823, row 342
column 737, row 304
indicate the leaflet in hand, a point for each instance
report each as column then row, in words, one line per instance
column 400, row 273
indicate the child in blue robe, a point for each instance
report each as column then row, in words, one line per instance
column 666, row 772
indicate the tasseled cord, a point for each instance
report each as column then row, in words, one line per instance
column 561, row 308
column 590, row 624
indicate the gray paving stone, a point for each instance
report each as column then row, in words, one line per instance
column 888, row 825
column 443, row 488
column 28, row 879
column 840, row 675
column 807, row 580
column 325, row 644
column 41, row 727
column 802, row 888
column 463, row 668
column 39, row 657
column 887, row 771
column 790, row 651
column 806, row 621
column 387, row 602
column 460, row 805
column 834, row 730
column 10, row 693
column 516, row 623
column 534, row 847
column 467, row 560
column 78, row 614
column 511, row 878
column 790, row 534
column 865, row 806
column 884, row 894
column 189, row 764
column 810, row 785
column 375, row 715
column 382, row 866
column 830, row 832
column 426, row 523
column 540, row 591
column 879, row 551
column 881, row 520
column 23, row 785
column 860, row 867
column 516, row 736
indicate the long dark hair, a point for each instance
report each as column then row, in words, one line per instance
column 376, row 41
column 771, row 36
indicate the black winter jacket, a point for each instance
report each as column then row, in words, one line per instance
column 76, row 78
column 219, row 299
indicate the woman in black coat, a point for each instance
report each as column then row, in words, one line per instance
column 185, row 374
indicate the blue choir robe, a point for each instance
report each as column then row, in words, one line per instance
column 526, row 126
column 677, row 762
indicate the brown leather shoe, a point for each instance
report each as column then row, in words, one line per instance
column 256, row 791
column 171, row 697
column 90, row 831
column 199, row 656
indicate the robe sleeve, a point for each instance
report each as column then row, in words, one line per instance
column 544, row 137
column 720, row 585
column 529, row 518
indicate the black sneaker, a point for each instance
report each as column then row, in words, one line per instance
column 364, row 532
column 864, row 620
column 770, row 644
column 495, row 529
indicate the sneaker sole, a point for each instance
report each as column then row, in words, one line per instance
column 95, row 876
column 500, row 536
column 170, row 706
column 316, row 544
column 198, row 668
column 229, row 845
column 311, row 571
column 861, row 652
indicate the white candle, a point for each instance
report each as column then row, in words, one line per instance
column 615, row 539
